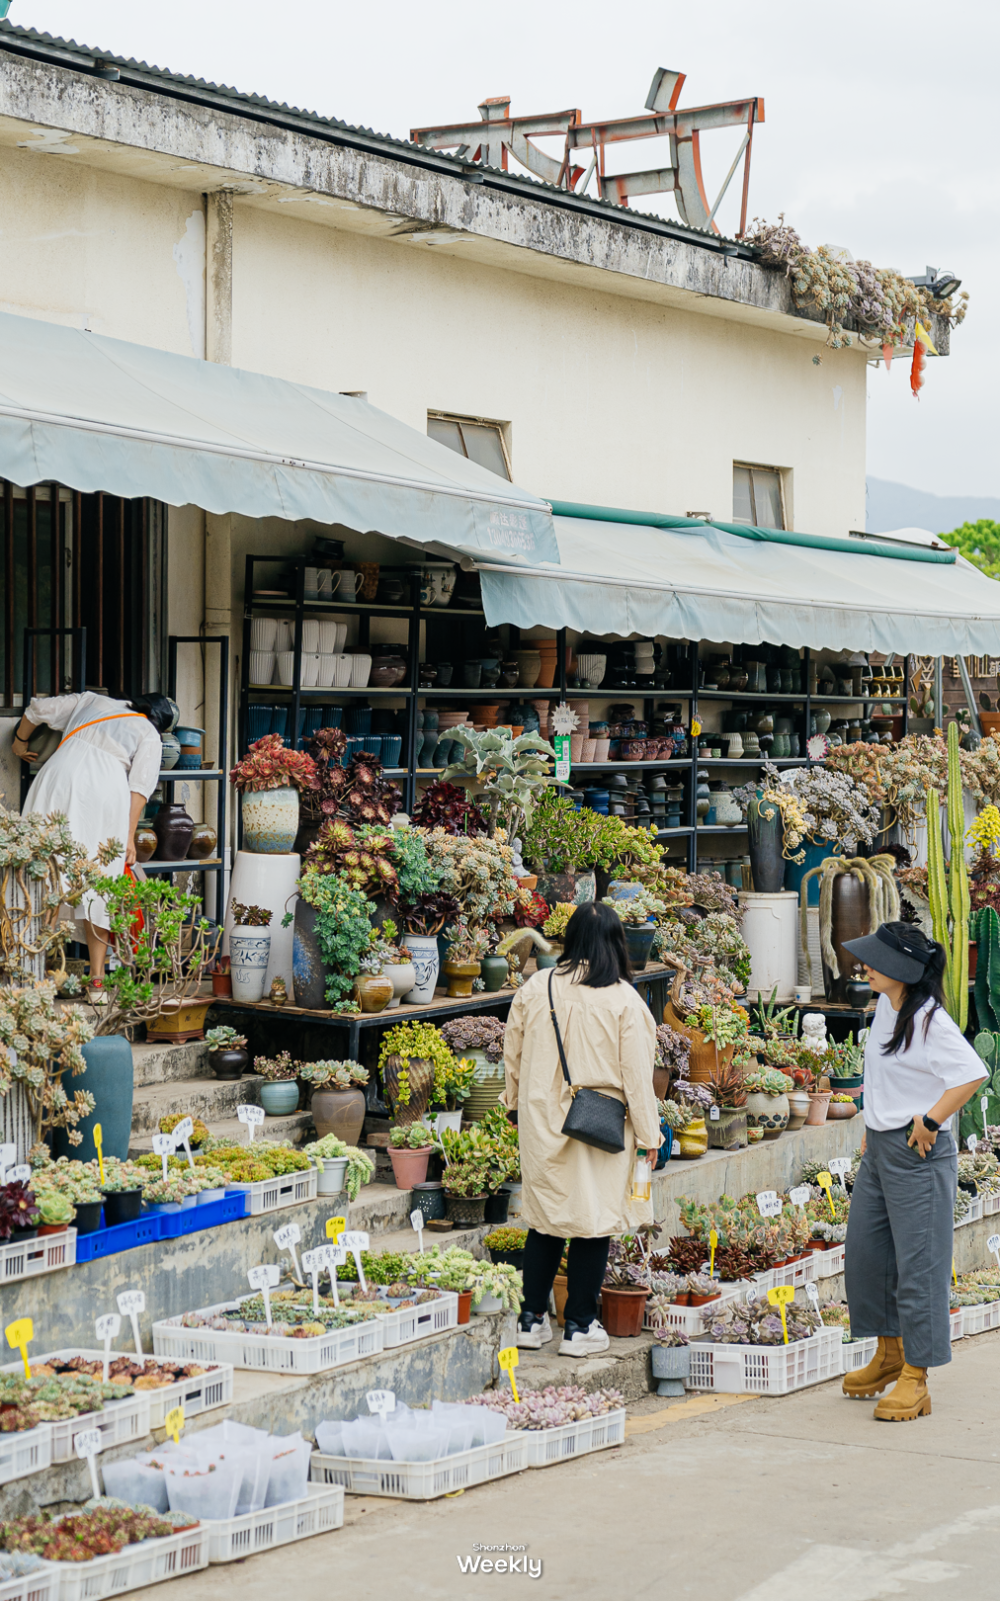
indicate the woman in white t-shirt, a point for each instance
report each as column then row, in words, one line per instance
column 919, row 1071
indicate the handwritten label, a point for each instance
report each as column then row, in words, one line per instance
column 713, row 1114
column 993, row 1244
column 314, row 1262
column 381, row 1402
column 768, row 1203
column 335, row 1227
column 813, row 1294
column 20, row 1174
column 509, row 1359
column 335, row 1256
column 713, row 1240
column 286, row 1239
column 252, row 1116
column 87, row 1444
column 108, row 1328
column 182, row 1135
column 264, row 1278
column 130, row 1304
column 174, row 1423
column 417, row 1223
column 800, row 1195
column 983, row 1104
column 19, row 1336
column 97, row 1135
column 841, row 1165
column 752, row 1296
column 163, row 1146
column 970, row 1145
column 357, row 1241
column 825, row 1182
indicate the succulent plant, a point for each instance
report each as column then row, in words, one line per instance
column 727, row 1085
column 552, row 1407
column 271, row 764
column 416, row 1137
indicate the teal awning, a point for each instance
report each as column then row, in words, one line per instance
column 700, row 582
column 99, row 414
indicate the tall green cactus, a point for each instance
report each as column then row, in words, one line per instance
column 987, row 932
column 948, row 892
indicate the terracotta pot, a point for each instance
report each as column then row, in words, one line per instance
column 840, row 1109
column 420, row 1073
column 173, row 828
column 460, row 976
column 409, row 1167
column 52, row 1228
column 146, row 843
column 819, row 1101
column 203, row 842
column 340, row 1112
column 560, row 1290
column 222, row 984
column 373, row 991
column 622, row 1311
column 850, row 918
column 702, row 1300
column 703, row 1051
column 465, row 1306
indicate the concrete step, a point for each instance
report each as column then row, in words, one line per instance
column 297, row 1128
column 156, row 1064
column 213, row 1100
column 624, row 1366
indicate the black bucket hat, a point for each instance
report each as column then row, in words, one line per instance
column 887, row 952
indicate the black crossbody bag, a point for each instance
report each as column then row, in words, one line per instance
column 593, row 1118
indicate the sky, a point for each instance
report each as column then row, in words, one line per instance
column 879, row 132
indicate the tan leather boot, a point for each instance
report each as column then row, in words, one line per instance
column 907, row 1399
column 885, row 1366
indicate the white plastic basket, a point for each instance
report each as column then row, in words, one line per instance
column 976, row 1209
column 991, row 1315
column 766, row 1369
column 570, row 1440
column 42, row 1585
column 688, row 1318
column 974, row 1318
column 138, row 1565
column 195, row 1395
column 957, row 1321
column 120, row 1423
column 858, row 1353
column 270, row 1195
column 26, row 1258
column 991, row 1204
column 21, row 1454
column 319, row 1511
column 424, row 1481
column 830, row 1263
column 410, row 1323
column 273, row 1353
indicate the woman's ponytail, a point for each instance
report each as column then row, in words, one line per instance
column 927, row 988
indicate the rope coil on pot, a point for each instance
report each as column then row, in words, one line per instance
column 883, row 899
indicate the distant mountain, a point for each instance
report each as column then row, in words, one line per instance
column 898, row 506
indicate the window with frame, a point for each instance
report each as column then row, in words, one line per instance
column 757, row 496
column 476, row 438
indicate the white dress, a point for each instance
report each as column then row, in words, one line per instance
column 107, row 751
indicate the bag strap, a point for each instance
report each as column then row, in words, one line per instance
column 559, row 1043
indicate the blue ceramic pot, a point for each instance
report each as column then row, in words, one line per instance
column 278, row 1100
column 109, row 1080
column 639, row 943
column 795, row 872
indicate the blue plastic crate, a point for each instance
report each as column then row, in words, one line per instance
column 160, row 1226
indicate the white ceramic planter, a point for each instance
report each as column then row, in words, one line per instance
column 439, row 1121
column 427, row 962
column 403, row 976
column 249, row 953
column 489, row 1303
column 514, row 1191
column 270, row 820
column 268, row 881
column 333, row 1175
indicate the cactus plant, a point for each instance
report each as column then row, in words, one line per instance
column 948, row 893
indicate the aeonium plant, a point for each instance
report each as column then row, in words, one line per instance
column 17, row 1209
column 250, row 916
column 271, row 764
column 276, row 1070
column 477, row 1032
column 637, row 909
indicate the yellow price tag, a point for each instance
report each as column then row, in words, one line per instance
column 954, row 1274
column 335, row 1227
column 98, row 1134
column 780, row 1297
column 508, row 1359
column 713, row 1240
column 19, row 1337
column 825, row 1182
column 174, row 1423
column 695, row 728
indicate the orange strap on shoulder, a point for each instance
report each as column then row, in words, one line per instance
column 114, row 719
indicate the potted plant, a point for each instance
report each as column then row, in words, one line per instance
column 222, row 979
column 478, row 1038
column 512, row 773
column 727, row 1130
column 338, row 1101
column 249, row 951
column 164, row 1194
column 638, row 914
column 200, row 1132
column 767, row 1100
column 227, row 1052
column 19, row 1214
column 626, row 1289
column 55, row 1211
column 448, row 1270
column 453, row 1080
column 670, row 1356
column 819, row 1099
column 340, row 1166
column 341, row 925
column 122, row 1192
column 496, row 1287
column 465, row 1192
column 269, row 778
column 279, row 1094
column 841, row 1106
column 844, row 1064
column 397, row 962
column 468, row 946
column 506, row 1244
column 50, row 1044
column 373, row 988
column 77, row 1182
column 409, row 1152
column 409, row 1054
column 554, row 928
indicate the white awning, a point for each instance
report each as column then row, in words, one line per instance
column 99, row 414
column 701, row 582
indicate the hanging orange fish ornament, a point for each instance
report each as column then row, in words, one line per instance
column 922, row 342
column 887, row 354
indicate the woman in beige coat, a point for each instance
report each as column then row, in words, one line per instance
column 574, row 1191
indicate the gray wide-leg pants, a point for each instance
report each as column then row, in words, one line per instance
column 900, row 1244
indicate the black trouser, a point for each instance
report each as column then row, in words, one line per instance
column 586, row 1264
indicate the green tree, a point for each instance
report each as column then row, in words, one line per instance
column 978, row 542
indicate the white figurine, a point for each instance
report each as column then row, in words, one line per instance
column 814, row 1032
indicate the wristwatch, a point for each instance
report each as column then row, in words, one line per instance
column 929, row 1122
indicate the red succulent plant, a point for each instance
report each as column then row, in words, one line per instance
column 17, row 1208
column 271, row 764
column 448, row 806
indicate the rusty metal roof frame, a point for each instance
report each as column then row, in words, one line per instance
column 27, row 42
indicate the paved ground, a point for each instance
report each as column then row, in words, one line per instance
column 797, row 1499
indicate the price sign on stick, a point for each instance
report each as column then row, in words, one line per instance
column 336, row 1256
column 265, row 1278
column 174, row 1422
column 780, row 1297
column 800, row 1195
column 98, row 1134
column 87, row 1444
column 813, row 1294
column 508, row 1360
column 163, row 1146
column 19, row 1337
column 713, row 1240
column 357, row 1241
column 971, row 1144
column 983, row 1104
column 417, row 1223
column 314, row 1262
column 954, row 1273
column 20, row 1174
column 381, row 1403
column 840, row 1165
column 286, row 1239
column 130, row 1304
column 182, row 1136
column 335, row 1227
column 993, row 1244
column 108, row 1328
column 825, row 1182
column 768, row 1204
column 252, row 1116
column 8, row 1156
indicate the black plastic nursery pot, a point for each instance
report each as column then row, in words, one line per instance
column 88, row 1216
column 120, row 1206
column 509, row 1258
column 497, row 1207
column 467, row 1209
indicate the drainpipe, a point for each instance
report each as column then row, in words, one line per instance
column 218, row 570
column 966, row 686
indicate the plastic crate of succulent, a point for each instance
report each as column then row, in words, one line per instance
column 296, row 1340
column 560, row 1422
column 196, row 1387
column 744, row 1349
column 70, row 1403
column 25, row 1577
column 271, row 1175
column 105, row 1547
column 411, row 1313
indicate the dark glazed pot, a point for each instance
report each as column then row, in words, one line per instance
column 766, row 861
column 173, row 828
column 850, row 918
column 108, row 1079
column 229, row 1064
column 420, row 1073
column 203, row 842
column 639, row 943
column 307, row 960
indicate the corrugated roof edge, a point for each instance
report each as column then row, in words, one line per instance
column 46, row 46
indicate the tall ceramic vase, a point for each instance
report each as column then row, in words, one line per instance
column 270, row 820
column 420, row 1074
column 850, row 918
column 267, row 880
column 766, row 832
column 249, row 953
column 423, row 948
column 109, row 1080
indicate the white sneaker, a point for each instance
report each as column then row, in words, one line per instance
column 587, row 1343
column 540, row 1334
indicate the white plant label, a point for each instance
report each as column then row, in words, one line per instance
column 108, row 1328
column 768, row 1203
column 752, row 1296
column 813, row 1294
column 19, row 1175
column 971, row 1144
column 286, row 1239
column 130, row 1304
column 314, row 1262
column 713, row 1114
column 381, row 1402
column 265, row 1278
column 839, row 1165
column 993, row 1244
column 163, row 1146
column 252, row 1116
column 356, row 1241
column 417, row 1223
column 335, row 1256
column 182, row 1133
column 8, row 1156
column 800, row 1195
column 87, row 1444
column 983, row 1104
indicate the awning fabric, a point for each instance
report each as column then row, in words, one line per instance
column 100, row 414
column 703, row 583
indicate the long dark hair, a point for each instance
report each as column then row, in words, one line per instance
column 594, row 951
column 157, row 708
column 927, row 988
